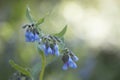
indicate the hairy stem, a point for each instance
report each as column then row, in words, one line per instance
column 43, row 58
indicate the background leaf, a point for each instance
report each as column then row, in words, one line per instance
column 36, row 70
column 19, row 68
column 29, row 16
column 62, row 32
column 40, row 21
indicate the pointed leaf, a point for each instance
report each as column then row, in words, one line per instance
column 40, row 21
column 29, row 16
column 19, row 68
column 61, row 33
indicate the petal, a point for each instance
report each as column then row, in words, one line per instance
column 75, row 58
column 49, row 50
column 53, row 51
column 36, row 36
column 70, row 59
column 74, row 66
column 71, row 63
column 29, row 36
column 56, row 47
column 43, row 47
column 56, row 50
column 57, row 53
column 32, row 37
column 65, row 67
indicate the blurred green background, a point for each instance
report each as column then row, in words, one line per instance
column 93, row 35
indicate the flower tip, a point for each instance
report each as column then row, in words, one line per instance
column 65, row 67
column 57, row 53
column 49, row 50
column 36, row 37
column 75, row 58
column 74, row 66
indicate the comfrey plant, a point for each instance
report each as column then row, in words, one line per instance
column 47, row 45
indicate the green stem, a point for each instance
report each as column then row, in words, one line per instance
column 43, row 58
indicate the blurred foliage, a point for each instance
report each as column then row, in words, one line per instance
column 103, row 60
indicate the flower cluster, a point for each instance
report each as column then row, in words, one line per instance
column 68, row 59
column 31, row 33
column 49, row 44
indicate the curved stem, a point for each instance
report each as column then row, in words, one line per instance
column 43, row 58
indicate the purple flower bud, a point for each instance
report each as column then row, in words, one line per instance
column 65, row 67
column 57, row 53
column 72, row 64
column 29, row 36
column 49, row 50
column 69, row 63
column 36, row 37
column 45, row 50
column 75, row 58
column 56, row 48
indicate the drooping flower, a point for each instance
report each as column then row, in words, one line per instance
column 49, row 50
column 46, row 49
column 36, row 36
column 68, row 62
column 71, row 63
column 56, row 50
column 29, row 36
column 75, row 58
column 31, row 33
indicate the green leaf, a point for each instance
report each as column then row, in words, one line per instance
column 40, row 21
column 19, row 68
column 29, row 16
column 61, row 33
